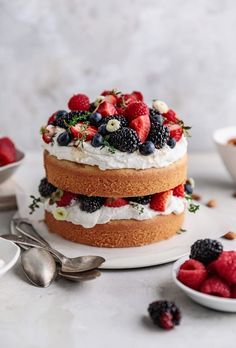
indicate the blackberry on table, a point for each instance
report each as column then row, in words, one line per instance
column 206, row 250
column 125, row 140
column 123, row 120
column 159, row 135
column 164, row 314
column 45, row 188
column 91, row 203
column 141, row 199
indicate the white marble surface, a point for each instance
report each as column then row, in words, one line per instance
column 180, row 51
column 112, row 310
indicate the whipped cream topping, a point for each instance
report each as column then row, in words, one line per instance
column 87, row 154
column 74, row 214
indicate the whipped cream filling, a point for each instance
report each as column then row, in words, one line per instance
column 74, row 214
column 87, row 154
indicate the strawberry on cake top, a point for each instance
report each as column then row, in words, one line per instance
column 116, row 131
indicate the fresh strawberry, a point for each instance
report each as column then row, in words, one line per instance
column 115, row 202
column 178, row 191
column 225, row 266
column 142, row 127
column 106, row 109
column 160, row 201
column 79, row 102
column 126, row 99
column 216, row 287
column 192, row 273
column 112, row 99
column 170, row 116
column 66, row 199
column 46, row 137
column 7, row 151
column 176, row 131
column 233, row 291
column 52, row 118
column 138, row 95
column 135, row 110
column 82, row 130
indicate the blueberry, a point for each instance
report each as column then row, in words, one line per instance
column 157, row 118
column 97, row 140
column 188, row 189
column 64, row 139
column 147, row 148
column 60, row 113
column 171, row 143
column 95, row 118
column 102, row 129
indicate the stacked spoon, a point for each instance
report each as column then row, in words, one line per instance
column 42, row 264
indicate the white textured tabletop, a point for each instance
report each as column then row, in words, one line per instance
column 112, row 310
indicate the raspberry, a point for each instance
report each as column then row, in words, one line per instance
column 164, row 314
column 79, row 102
column 216, row 287
column 233, row 291
column 192, row 273
column 179, row 191
column 206, row 250
column 225, row 266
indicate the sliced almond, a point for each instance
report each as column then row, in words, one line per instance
column 196, row 197
column 230, row 235
column 211, row 203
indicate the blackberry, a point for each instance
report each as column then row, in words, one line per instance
column 125, row 140
column 64, row 120
column 206, row 250
column 164, row 314
column 122, row 119
column 91, row 203
column 141, row 199
column 45, row 188
column 159, row 135
column 155, row 116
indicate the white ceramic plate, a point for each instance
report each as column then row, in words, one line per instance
column 214, row 302
column 9, row 253
column 205, row 223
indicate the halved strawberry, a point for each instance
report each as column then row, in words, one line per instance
column 142, row 127
column 82, row 130
column 179, row 191
column 126, row 99
column 66, row 199
column 135, row 110
column 112, row 99
column 51, row 118
column 115, row 202
column 79, row 102
column 46, row 137
column 160, row 200
column 7, row 151
column 106, row 109
column 176, row 131
column 138, row 95
column 170, row 116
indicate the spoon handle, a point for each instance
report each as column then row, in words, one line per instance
column 33, row 234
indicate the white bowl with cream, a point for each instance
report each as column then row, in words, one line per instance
column 227, row 152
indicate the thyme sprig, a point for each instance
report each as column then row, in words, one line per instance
column 138, row 207
column 192, row 207
column 109, row 147
column 35, row 204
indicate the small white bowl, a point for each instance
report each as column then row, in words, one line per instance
column 7, row 170
column 227, row 152
column 9, row 253
column 214, row 302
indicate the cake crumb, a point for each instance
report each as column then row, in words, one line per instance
column 211, row 203
column 230, row 235
column 196, row 197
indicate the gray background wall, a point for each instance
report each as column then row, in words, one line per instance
column 181, row 51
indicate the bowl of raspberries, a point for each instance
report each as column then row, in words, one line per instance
column 10, row 158
column 208, row 275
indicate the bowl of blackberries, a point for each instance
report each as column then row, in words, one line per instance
column 10, row 158
column 208, row 275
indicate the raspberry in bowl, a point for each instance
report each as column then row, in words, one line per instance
column 10, row 158
column 208, row 275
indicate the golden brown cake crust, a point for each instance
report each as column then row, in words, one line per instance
column 91, row 181
column 118, row 233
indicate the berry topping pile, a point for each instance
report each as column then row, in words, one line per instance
column 7, row 151
column 164, row 314
column 210, row 269
column 116, row 120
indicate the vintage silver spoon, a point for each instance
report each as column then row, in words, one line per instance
column 39, row 266
column 81, row 276
column 68, row 265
